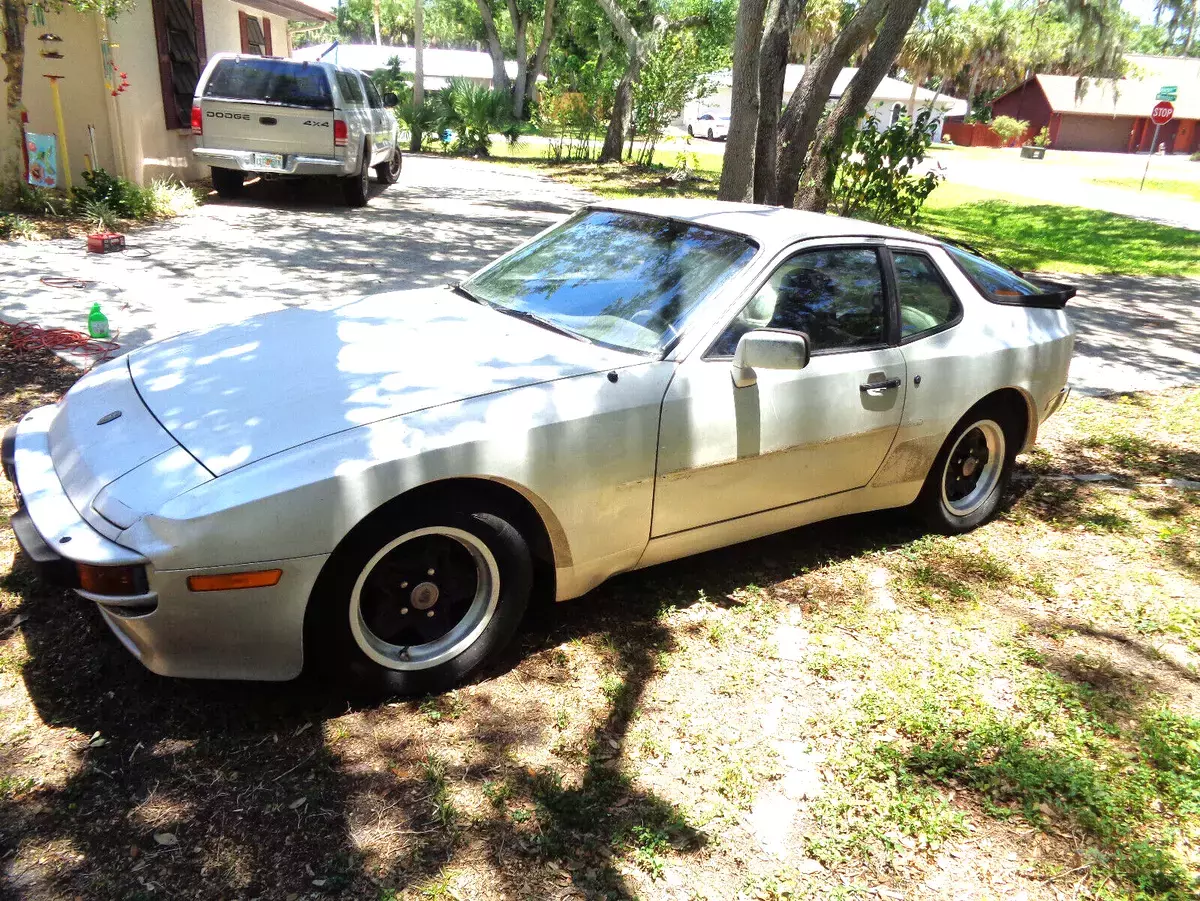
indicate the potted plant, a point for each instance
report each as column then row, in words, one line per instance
column 1036, row 148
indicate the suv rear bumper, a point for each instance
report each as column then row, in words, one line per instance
column 293, row 163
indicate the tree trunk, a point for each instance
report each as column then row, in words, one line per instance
column 16, row 14
column 799, row 121
column 499, row 73
column 375, row 19
column 1191, row 28
column 519, row 24
column 622, row 113
column 737, row 171
column 817, row 179
column 418, row 98
column 912, row 97
column 772, row 69
column 539, row 58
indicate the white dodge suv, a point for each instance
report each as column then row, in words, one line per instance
column 286, row 117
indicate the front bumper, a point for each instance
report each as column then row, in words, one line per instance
column 255, row 633
column 293, row 163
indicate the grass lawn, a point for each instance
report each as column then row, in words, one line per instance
column 1019, row 231
column 1050, row 237
column 1189, row 189
column 852, row 710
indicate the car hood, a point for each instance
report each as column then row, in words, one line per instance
column 237, row 393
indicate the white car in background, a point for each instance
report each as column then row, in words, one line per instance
column 709, row 125
column 255, row 114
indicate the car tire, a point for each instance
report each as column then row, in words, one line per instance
column 228, row 182
column 691, row 134
column 389, row 173
column 710, row 137
column 357, row 188
column 971, row 472
column 460, row 580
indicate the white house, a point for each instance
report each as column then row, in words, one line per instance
column 127, row 83
column 887, row 104
column 440, row 64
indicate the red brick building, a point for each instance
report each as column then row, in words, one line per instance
column 1102, row 114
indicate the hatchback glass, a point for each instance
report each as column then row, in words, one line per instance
column 625, row 280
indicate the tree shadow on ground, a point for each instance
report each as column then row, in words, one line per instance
column 257, row 794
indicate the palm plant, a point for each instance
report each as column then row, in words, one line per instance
column 936, row 44
column 473, row 112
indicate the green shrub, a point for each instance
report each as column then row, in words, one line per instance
column 14, row 226
column 1008, row 129
column 39, row 201
column 106, row 198
column 874, row 178
column 111, row 194
column 1196, row 157
column 473, row 112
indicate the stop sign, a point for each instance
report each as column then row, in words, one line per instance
column 1162, row 112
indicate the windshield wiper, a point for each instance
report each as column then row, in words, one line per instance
column 521, row 314
column 538, row 320
column 459, row 289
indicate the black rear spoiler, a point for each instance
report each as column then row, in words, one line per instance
column 1052, row 296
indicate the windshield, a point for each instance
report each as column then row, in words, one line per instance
column 271, row 81
column 625, row 280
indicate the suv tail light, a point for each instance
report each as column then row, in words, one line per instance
column 197, row 121
column 340, row 133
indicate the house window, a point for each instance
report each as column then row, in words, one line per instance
column 256, row 35
column 179, row 32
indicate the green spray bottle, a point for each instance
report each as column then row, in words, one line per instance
column 97, row 322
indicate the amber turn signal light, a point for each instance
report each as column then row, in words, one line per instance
column 264, row 578
column 112, row 581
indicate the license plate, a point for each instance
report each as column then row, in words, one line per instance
column 268, row 160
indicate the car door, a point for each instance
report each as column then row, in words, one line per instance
column 383, row 140
column 354, row 107
column 794, row 435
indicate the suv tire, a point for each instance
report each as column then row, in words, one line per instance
column 389, row 173
column 228, row 182
column 357, row 188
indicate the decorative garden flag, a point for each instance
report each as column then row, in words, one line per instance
column 43, row 160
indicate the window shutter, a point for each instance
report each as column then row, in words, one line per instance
column 244, row 29
column 201, row 43
column 266, row 27
column 170, row 108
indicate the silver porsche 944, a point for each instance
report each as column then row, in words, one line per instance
column 381, row 486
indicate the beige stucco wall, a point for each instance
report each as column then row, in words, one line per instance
column 131, row 134
column 81, row 89
column 151, row 150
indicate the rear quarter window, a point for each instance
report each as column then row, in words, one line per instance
column 270, row 81
column 1000, row 285
column 350, row 87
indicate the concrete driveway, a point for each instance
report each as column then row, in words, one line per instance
column 286, row 244
column 289, row 244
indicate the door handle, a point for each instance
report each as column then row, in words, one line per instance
column 879, row 386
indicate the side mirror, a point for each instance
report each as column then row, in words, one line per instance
column 390, row 100
column 768, row 349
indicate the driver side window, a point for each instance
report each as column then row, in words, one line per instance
column 834, row 296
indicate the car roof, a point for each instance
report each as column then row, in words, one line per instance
column 769, row 226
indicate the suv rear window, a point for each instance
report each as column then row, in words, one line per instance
column 270, row 81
